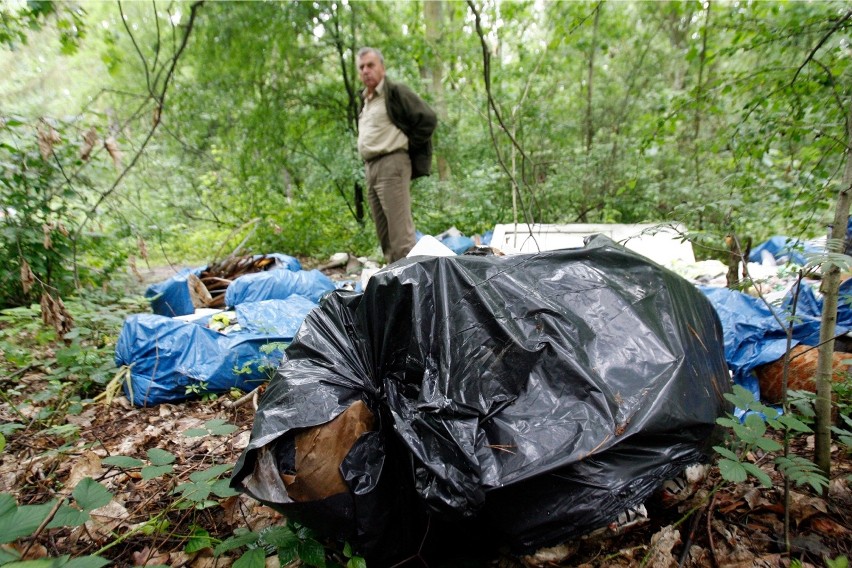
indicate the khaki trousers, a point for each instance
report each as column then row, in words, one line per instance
column 388, row 183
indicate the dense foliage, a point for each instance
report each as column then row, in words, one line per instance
column 224, row 124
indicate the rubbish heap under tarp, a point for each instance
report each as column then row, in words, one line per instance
column 188, row 348
column 755, row 334
column 536, row 395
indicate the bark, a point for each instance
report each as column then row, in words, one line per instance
column 829, row 289
column 433, row 11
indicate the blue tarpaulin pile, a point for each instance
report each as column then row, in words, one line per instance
column 172, row 297
column 173, row 359
column 754, row 336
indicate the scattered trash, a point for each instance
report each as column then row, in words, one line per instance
column 205, row 286
column 172, row 360
column 755, row 337
column 278, row 285
column 663, row 243
column 783, row 249
column 538, row 396
column 430, row 246
column 801, row 374
column 205, row 350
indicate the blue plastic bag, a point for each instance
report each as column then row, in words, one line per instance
column 754, row 337
column 171, row 297
column 280, row 318
column 458, row 244
column 172, row 360
column 278, row 285
column 783, row 249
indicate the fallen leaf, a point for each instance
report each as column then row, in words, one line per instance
column 662, row 543
column 754, row 498
column 825, row 526
column 550, row 555
column 87, row 465
column 839, row 490
column 802, row 507
column 149, row 557
column 810, row 543
column 208, row 562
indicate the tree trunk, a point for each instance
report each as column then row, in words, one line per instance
column 829, row 289
column 433, row 12
column 588, row 120
column 696, row 142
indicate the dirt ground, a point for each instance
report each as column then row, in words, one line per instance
column 733, row 526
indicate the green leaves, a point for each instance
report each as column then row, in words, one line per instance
column 802, row 472
column 239, row 539
column 91, row 495
column 215, row 427
column 199, row 539
column 751, row 434
column 204, row 482
column 18, row 521
column 161, row 461
column 253, row 558
column 292, row 541
column 88, row 495
column 125, row 462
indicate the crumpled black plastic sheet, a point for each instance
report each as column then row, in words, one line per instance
column 537, row 395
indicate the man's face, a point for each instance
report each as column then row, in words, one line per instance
column 370, row 70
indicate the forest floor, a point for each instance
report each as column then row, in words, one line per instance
column 145, row 524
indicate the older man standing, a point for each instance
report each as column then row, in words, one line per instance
column 395, row 140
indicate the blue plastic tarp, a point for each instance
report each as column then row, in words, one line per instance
column 278, row 285
column 754, row 337
column 280, row 318
column 784, row 249
column 458, row 243
column 171, row 359
column 171, row 297
column 809, row 305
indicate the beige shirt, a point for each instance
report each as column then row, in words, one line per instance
column 377, row 135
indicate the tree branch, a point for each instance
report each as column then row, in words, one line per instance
column 160, row 98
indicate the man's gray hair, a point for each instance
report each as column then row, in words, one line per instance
column 366, row 50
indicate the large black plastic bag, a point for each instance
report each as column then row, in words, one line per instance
column 539, row 395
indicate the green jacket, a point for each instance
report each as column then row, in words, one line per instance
column 416, row 119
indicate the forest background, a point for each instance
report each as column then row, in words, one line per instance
column 172, row 131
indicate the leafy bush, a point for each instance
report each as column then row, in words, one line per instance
column 43, row 201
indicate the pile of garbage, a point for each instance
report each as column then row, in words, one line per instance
column 216, row 328
column 529, row 397
column 535, row 396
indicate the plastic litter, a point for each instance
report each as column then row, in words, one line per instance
column 172, row 360
column 171, row 297
column 754, row 337
column 784, row 249
column 535, row 397
column 278, row 285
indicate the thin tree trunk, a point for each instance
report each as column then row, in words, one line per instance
column 829, row 289
column 696, row 134
column 588, row 121
column 433, row 11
